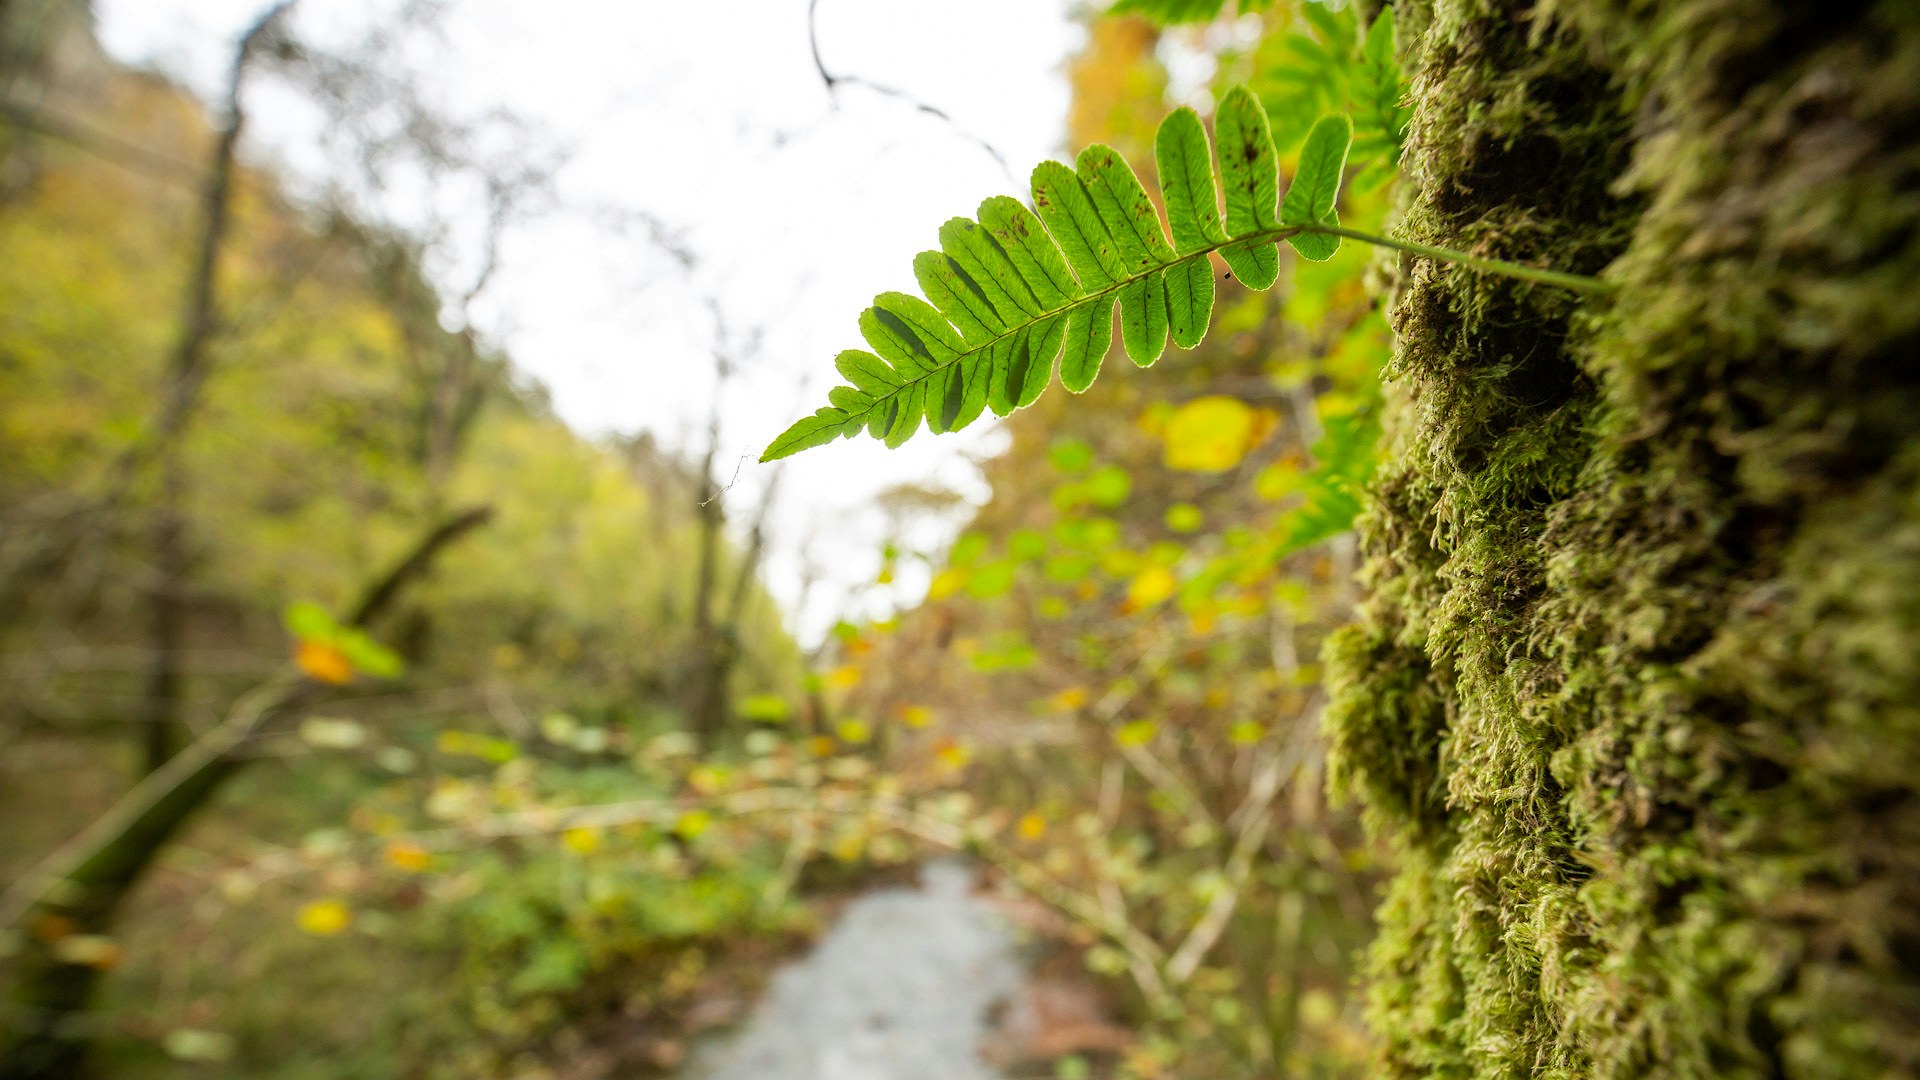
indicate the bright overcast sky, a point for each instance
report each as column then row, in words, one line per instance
column 710, row 117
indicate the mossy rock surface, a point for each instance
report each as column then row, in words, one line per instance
column 1637, row 688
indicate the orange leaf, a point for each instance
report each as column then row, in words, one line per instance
column 322, row 662
column 409, row 856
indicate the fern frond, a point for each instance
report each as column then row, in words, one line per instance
column 1380, row 118
column 1307, row 71
column 1010, row 294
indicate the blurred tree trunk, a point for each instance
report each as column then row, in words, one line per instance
column 79, row 891
column 186, row 374
column 1635, row 690
column 706, row 703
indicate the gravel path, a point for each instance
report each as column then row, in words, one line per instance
column 898, row 990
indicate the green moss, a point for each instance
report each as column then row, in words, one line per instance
column 1637, row 689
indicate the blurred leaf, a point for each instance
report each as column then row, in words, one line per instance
column 323, row 662
column 328, row 733
column 198, row 1047
column 1027, row 545
column 407, row 855
column 991, row 581
column 95, row 951
column 1184, row 518
column 309, row 621
column 765, row 708
column 325, row 918
column 368, row 655
column 692, row 824
column 1071, row 455
column 967, row 549
column 1109, row 486
column 1152, row 587
column 946, row 583
column 1031, row 826
column 1214, row 433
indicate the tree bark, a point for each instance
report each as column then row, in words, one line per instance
column 1634, row 691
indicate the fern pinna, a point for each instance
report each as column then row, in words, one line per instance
column 1019, row 289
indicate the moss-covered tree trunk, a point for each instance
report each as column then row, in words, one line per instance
column 1637, row 690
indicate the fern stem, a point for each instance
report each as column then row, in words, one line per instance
column 1576, row 282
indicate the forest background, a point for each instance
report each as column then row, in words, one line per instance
column 579, row 778
column 363, row 719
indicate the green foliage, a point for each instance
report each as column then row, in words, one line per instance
column 1329, row 66
column 1378, row 95
column 551, row 638
column 309, row 622
column 1018, row 289
column 1169, row 12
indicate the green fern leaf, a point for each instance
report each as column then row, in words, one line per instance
column 1010, row 294
column 1250, row 178
column 1316, row 186
column 1185, row 160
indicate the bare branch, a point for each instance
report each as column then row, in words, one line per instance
column 834, row 81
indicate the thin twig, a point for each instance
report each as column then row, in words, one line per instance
column 834, row 81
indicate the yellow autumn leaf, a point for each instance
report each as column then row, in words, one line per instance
column 325, row 918
column 848, row 847
column 581, row 841
column 1069, row 699
column 916, row 716
column 88, row 950
column 692, row 824
column 1214, row 433
column 707, row 779
column 1031, row 826
column 1137, row 733
column 946, row 583
column 323, row 662
column 953, row 755
column 853, row 731
column 844, row 677
column 1151, row 588
column 1247, row 732
column 409, row 856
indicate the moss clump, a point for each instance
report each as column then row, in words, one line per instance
column 1638, row 689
